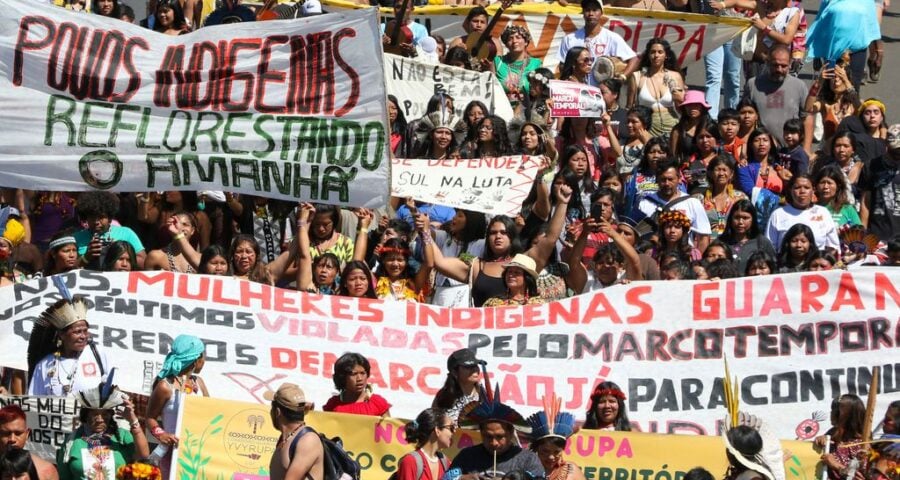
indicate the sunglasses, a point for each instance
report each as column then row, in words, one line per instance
column 451, row 427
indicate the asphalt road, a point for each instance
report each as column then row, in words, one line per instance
column 888, row 87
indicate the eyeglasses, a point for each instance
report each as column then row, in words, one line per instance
column 451, row 427
column 488, row 128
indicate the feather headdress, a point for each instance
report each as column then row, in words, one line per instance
column 551, row 422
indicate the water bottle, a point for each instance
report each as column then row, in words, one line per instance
column 158, row 453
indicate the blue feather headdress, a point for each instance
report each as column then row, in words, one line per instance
column 551, row 422
column 490, row 408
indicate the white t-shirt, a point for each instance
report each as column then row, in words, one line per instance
column 51, row 378
column 816, row 218
column 604, row 43
column 691, row 207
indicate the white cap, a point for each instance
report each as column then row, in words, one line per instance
column 311, row 7
column 428, row 44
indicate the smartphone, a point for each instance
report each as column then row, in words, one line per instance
column 597, row 212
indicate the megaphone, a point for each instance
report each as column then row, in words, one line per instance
column 607, row 67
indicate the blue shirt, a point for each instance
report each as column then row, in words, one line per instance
column 436, row 213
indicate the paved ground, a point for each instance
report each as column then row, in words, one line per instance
column 888, row 87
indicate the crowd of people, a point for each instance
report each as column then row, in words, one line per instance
column 760, row 174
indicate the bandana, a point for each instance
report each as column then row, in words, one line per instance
column 186, row 349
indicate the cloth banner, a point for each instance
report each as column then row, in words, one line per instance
column 794, row 341
column 572, row 99
column 414, row 81
column 236, row 437
column 490, row 185
column 274, row 109
column 50, row 420
column 692, row 35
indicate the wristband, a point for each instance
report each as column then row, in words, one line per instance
column 178, row 237
column 136, row 425
column 301, row 223
column 157, row 431
column 362, row 229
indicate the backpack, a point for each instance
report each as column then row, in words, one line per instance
column 420, row 465
column 338, row 465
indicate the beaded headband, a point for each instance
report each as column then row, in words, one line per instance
column 61, row 241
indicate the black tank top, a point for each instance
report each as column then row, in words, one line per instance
column 485, row 287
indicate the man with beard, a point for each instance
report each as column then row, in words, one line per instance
column 13, row 435
column 778, row 96
column 879, row 182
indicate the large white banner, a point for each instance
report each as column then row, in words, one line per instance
column 491, row 185
column 794, row 341
column 287, row 109
column 692, row 35
column 414, row 82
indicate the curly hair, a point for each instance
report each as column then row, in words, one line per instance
column 97, row 204
column 514, row 29
column 671, row 61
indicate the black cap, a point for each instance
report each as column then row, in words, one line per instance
column 591, row 5
column 463, row 358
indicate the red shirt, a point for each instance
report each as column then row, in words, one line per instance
column 406, row 470
column 375, row 406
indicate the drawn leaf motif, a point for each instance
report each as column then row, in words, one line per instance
column 217, row 419
column 215, row 431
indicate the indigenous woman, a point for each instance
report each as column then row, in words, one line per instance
column 99, row 447
column 351, row 378
column 178, row 377
column 61, row 357
column 62, row 254
column 463, row 383
column 607, row 409
column 520, row 279
column 549, row 431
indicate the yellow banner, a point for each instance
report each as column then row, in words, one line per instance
column 222, row 439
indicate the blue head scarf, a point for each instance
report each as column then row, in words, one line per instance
column 186, row 349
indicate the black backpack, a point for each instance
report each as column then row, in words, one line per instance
column 420, row 465
column 338, row 465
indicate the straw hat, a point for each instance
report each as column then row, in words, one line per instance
column 524, row 262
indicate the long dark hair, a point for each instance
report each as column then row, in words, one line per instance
column 257, row 272
column 500, row 134
column 476, row 225
column 211, row 252
column 471, row 129
column 571, row 180
column 512, row 231
column 850, row 418
column 178, row 21
column 751, row 155
column 705, row 122
column 399, row 125
column 591, row 422
column 761, row 256
column 835, row 174
column 742, row 205
column 671, row 62
column 114, row 251
column 644, row 165
column 784, row 257
column 394, row 245
column 570, row 62
column 587, row 183
column 345, row 274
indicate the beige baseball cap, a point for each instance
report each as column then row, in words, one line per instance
column 289, row 396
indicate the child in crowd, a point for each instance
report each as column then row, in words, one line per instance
column 793, row 156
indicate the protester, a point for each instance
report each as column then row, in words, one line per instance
column 177, row 378
column 657, row 85
column 62, row 359
column 351, row 379
column 299, row 452
column 743, row 234
column 598, row 40
column 800, row 209
column 513, row 68
column 98, row 447
column 550, row 429
column 499, row 452
column 775, row 82
column 431, row 431
column 462, row 385
column 97, row 210
column 607, row 410
column 847, row 419
column 16, row 464
column 14, row 433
